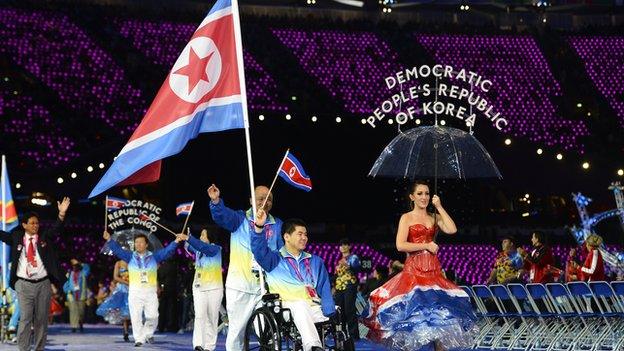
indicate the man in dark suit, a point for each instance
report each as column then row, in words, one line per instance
column 35, row 267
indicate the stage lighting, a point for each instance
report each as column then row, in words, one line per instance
column 585, row 165
column 417, row 121
column 288, row 117
column 442, row 122
column 390, row 121
column 559, row 157
column 90, row 169
column 261, row 117
column 18, row 185
column 526, row 196
column 540, row 151
column 314, row 119
column 620, row 172
column 73, row 175
column 101, row 165
column 507, row 141
column 338, row 119
column 363, row 121
column 39, row 201
column 59, row 180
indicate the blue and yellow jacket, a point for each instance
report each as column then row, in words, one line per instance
column 77, row 291
column 146, row 264
column 208, row 274
column 240, row 276
column 288, row 276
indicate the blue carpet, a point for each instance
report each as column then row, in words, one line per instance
column 102, row 337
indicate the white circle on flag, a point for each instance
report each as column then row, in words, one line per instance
column 292, row 171
column 179, row 83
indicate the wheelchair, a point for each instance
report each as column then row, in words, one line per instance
column 271, row 327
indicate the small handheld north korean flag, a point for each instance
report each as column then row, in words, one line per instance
column 114, row 203
column 292, row 172
column 184, row 209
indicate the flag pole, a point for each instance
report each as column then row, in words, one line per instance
column 241, row 73
column 238, row 39
column 187, row 217
column 4, row 222
column 106, row 213
column 144, row 216
column 275, row 178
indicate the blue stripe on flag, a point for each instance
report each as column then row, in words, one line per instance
column 212, row 119
column 294, row 160
column 220, row 5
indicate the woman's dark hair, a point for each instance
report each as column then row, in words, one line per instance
column 411, row 188
column 416, row 183
column 382, row 271
column 211, row 236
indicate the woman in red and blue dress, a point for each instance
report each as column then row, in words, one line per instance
column 419, row 309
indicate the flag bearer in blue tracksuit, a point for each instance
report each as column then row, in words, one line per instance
column 207, row 291
column 242, row 286
column 300, row 278
column 142, row 298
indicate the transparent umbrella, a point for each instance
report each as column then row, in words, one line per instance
column 125, row 238
column 435, row 152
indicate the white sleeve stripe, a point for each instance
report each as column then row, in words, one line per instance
column 593, row 264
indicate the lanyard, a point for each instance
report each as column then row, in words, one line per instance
column 140, row 260
column 296, row 268
column 267, row 229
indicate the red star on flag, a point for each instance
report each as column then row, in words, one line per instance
column 195, row 70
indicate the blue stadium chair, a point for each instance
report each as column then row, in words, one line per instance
column 578, row 328
column 526, row 329
column 498, row 321
column 485, row 319
column 611, row 311
column 618, row 289
column 552, row 330
column 588, row 307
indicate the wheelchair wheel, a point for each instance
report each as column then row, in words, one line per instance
column 344, row 344
column 262, row 332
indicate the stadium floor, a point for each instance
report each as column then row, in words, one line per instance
column 103, row 337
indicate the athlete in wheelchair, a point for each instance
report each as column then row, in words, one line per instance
column 300, row 313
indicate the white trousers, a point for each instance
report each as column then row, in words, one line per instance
column 304, row 317
column 207, row 304
column 240, row 305
column 143, row 303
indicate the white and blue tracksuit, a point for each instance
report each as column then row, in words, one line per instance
column 142, row 287
column 207, row 292
column 302, row 283
column 242, row 287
